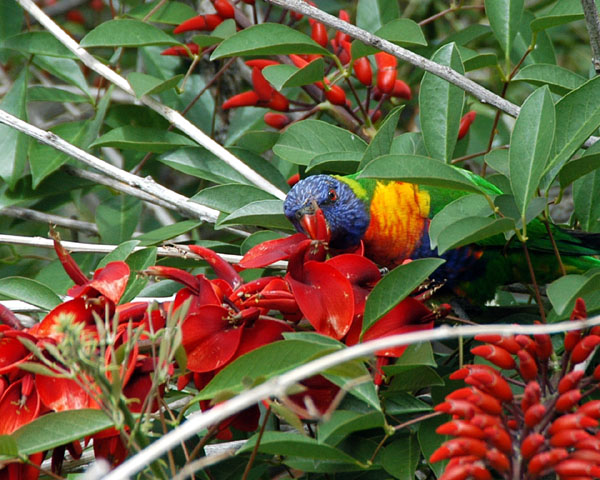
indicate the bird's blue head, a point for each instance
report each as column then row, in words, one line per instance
column 347, row 216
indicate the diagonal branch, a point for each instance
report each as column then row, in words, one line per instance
column 34, row 215
column 171, row 115
column 592, row 23
column 277, row 386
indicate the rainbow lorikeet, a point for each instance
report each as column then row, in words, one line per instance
column 392, row 219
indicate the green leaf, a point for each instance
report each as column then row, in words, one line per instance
column 440, row 105
column 230, row 197
column 565, row 290
column 138, row 261
column 13, row 144
column 8, row 447
column 257, row 365
column 401, row 457
column 577, row 117
column 64, row 68
column 167, row 232
column 498, row 160
column 30, row 291
column 126, row 33
column 117, row 218
column 467, row 206
column 409, row 143
column 256, row 238
column 413, row 379
column 473, row 60
column 282, row 76
column 559, row 79
column 578, row 168
column 120, row 253
column 59, row 428
column 416, row 354
column 586, row 191
column 267, row 39
column 304, row 140
column 530, row 145
column 337, row 162
column 342, row 374
column 420, row 170
column 266, row 213
column 52, row 94
column 171, row 12
column 295, row 445
column 38, row 43
column 372, row 14
column 11, row 19
column 507, row 205
column 400, row 31
column 382, row 142
column 430, row 441
column 45, row 160
column 396, row 286
column 565, row 11
column 344, row 422
column 402, row 403
column 143, row 139
column 143, row 84
column 505, row 19
column 471, row 229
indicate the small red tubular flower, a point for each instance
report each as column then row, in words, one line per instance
column 261, row 63
column 581, row 468
column 276, row 120
column 465, row 123
column 534, row 415
column 363, row 71
column 245, row 99
column 572, row 421
column 278, row 102
column 460, row 428
column 543, row 462
column 319, row 34
column 568, row 438
column 584, row 348
column 496, row 355
column 194, row 23
column 568, row 400
column 506, row 342
column 224, row 9
column 336, row 95
column 263, row 89
column 386, row 71
column 570, row 381
column 188, row 50
column 531, row 395
column 459, row 447
column 340, row 36
column 401, row 90
column 527, row 366
column 499, row 437
column 532, row 444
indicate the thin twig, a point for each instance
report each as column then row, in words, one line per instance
column 277, row 386
column 536, row 289
column 28, row 214
column 592, row 22
column 449, row 10
column 256, row 445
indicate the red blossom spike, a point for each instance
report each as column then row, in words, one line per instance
column 544, row 461
column 570, row 381
column 496, row 355
column 271, row 251
column 506, row 342
column 457, row 447
column 222, row 268
column 584, row 348
column 568, row 400
column 532, row 444
column 465, row 123
column 325, row 298
column 245, row 99
column 188, row 50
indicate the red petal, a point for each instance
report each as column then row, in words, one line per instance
column 271, row 251
column 75, row 311
column 263, row 331
column 61, row 394
column 12, row 351
column 222, row 268
column 325, row 298
column 15, row 414
column 111, row 280
column 67, row 261
column 215, row 351
column 172, row 273
column 408, row 316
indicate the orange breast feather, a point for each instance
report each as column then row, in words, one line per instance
column 399, row 215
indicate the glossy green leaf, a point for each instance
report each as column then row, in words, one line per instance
column 373, row 14
column 400, row 31
column 468, row 34
column 143, row 139
column 138, row 262
column 530, row 145
column 52, row 94
column 126, row 33
column 559, row 79
column 578, row 168
column 467, row 206
column 473, row 60
column 64, row 68
column 565, row 290
column 256, row 238
column 258, row 365
column 470, row 230
column 586, row 191
column 282, row 76
column 38, row 43
column 402, row 403
column 59, row 428
column 11, row 19
column 343, row 374
column 420, row 170
column 577, row 117
column 440, row 105
column 8, row 447
column 336, row 162
column 396, row 286
column 117, row 218
column 508, row 207
column 413, row 379
column 30, row 291
column 267, row 39
column 409, row 143
column 401, row 457
column 266, row 213
column 417, row 354
column 120, row 253
column 505, row 19
column 498, row 160
column 304, row 140
column 167, row 232
column 44, row 159
column 382, row 142
column 430, row 441
column 565, row 11
column 143, row 84
column 171, row 12
column 295, row 445
column 230, row 197
column 13, row 144
column 344, row 422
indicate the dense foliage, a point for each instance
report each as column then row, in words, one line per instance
column 176, row 283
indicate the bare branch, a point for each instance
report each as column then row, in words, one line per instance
column 28, row 214
column 592, row 23
column 171, row 115
column 277, row 386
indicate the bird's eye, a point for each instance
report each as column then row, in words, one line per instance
column 332, row 195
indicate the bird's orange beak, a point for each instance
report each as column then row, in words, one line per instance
column 315, row 225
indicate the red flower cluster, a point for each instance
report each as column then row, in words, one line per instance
column 553, row 430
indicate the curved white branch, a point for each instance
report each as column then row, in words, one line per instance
column 277, row 386
column 173, row 116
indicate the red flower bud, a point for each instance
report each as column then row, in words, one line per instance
column 458, row 447
column 506, row 342
column 465, row 123
column 245, row 99
column 386, row 71
column 527, row 366
column 591, row 409
column 581, row 468
column 340, row 36
column 401, row 90
column 499, row 437
column 572, row 421
column 567, row 400
column 545, row 460
column 261, row 63
column 279, row 102
column 319, row 34
column 570, row 381
column 584, row 348
column 181, row 51
column 336, row 95
column 458, row 407
column 568, row 438
column 276, row 120
column 224, row 9
column 496, row 355
column 498, row 460
column 534, row 415
column 263, row 89
column 75, row 16
column 532, row 444
column 194, row 23
column 460, row 428
column 293, row 180
column 298, row 61
column 486, row 402
column 532, row 395
column 491, row 383
column 363, row 71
